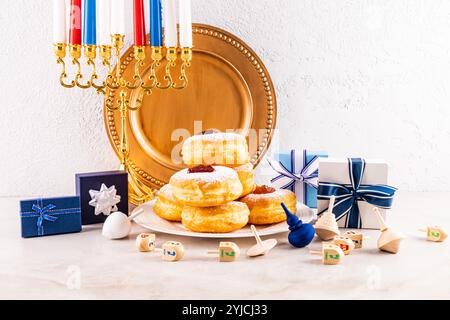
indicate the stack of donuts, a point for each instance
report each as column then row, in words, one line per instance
column 217, row 193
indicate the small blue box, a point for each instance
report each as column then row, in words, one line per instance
column 44, row 217
column 300, row 162
column 93, row 181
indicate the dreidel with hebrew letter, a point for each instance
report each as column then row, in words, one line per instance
column 346, row 244
column 146, row 242
column 227, row 251
column 435, row 233
column 331, row 254
column 356, row 237
column 171, row 251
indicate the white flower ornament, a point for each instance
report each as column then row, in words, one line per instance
column 105, row 201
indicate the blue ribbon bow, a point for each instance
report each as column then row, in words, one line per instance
column 43, row 216
column 347, row 196
column 308, row 174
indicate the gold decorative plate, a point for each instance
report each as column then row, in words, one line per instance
column 229, row 88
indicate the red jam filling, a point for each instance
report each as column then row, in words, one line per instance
column 201, row 169
column 264, row 190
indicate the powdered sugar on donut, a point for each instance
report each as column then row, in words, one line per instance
column 220, row 174
column 248, row 167
column 277, row 195
column 166, row 192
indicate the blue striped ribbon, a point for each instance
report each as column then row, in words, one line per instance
column 347, row 196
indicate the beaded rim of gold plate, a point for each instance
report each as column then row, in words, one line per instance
column 257, row 64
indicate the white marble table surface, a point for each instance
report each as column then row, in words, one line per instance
column 87, row 266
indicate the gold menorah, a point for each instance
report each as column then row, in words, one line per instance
column 139, row 193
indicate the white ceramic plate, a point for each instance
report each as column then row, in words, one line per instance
column 151, row 221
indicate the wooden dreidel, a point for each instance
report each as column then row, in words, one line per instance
column 346, row 244
column 227, row 252
column 118, row 225
column 146, row 242
column 331, row 254
column 301, row 234
column 261, row 247
column 356, row 237
column 171, row 250
column 326, row 226
column 389, row 239
column 435, row 233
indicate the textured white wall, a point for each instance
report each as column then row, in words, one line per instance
column 359, row 77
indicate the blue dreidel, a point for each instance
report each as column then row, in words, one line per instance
column 301, row 233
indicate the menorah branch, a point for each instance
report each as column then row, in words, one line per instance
column 116, row 80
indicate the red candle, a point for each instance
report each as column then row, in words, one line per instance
column 139, row 23
column 75, row 22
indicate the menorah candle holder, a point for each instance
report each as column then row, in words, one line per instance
column 139, row 193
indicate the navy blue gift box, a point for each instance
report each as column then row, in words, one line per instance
column 94, row 181
column 44, row 217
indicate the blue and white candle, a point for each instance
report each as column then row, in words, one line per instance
column 155, row 23
column 89, row 23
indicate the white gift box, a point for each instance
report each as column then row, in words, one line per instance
column 336, row 170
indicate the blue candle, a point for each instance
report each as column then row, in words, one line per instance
column 89, row 23
column 155, row 23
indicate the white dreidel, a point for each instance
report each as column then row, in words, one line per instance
column 262, row 246
column 331, row 254
column 118, row 225
column 227, row 251
column 171, row 251
column 326, row 226
column 435, row 233
column 389, row 239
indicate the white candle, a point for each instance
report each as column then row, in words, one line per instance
column 104, row 22
column 170, row 23
column 185, row 24
column 59, row 21
column 118, row 17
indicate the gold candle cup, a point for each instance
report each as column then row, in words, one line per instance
column 139, row 53
column 105, row 53
column 60, row 50
column 90, row 51
column 75, row 51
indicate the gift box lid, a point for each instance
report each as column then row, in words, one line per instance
column 100, row 174
column 376, row 171
column 60, row 202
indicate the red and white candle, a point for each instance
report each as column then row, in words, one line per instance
column 118, row 17
column 104, row 22
column 59, row 21
column 75, row 22
column 185, row 24
column 139, row 23
column 170, row 24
